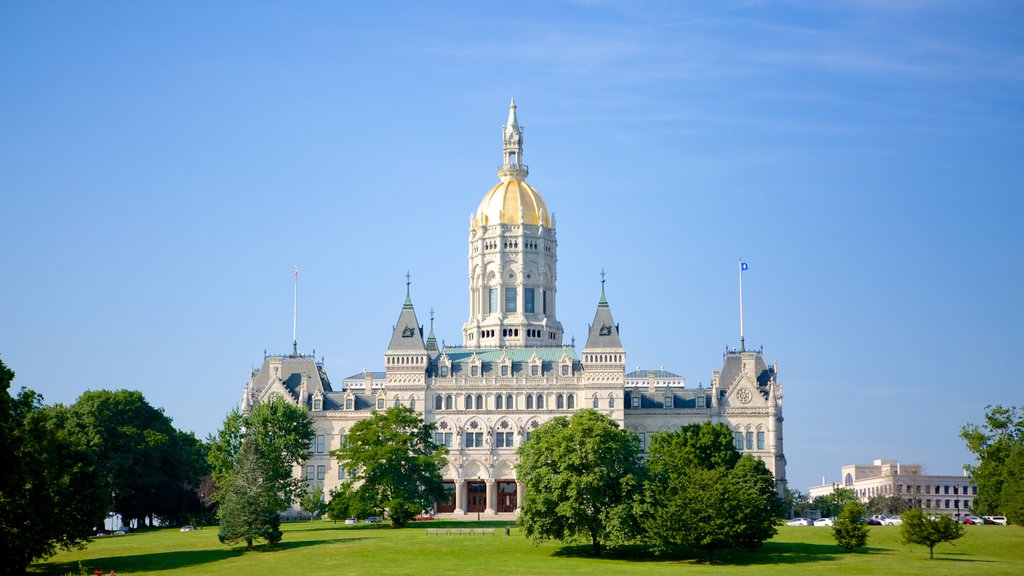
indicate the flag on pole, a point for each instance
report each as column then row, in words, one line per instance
column 743, row 266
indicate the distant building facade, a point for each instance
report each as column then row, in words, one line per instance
column 948, row 494
column 513, row 371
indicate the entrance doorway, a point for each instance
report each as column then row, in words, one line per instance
column 476, row 496
column 447, row 505
column 506, row 496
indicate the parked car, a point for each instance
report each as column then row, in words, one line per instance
column 892, row 521
column 824, row 522
column 799, row 522
column 995, row 520
column 188, row 528
column 872, row 521
column 351, row 520
column 103, row 533
column 972, row 519
column 373, row 520
column 422, row 517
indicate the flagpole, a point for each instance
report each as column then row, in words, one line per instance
column 742, row 346
column 295, row 310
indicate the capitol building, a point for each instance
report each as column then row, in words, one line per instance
column 514, row 371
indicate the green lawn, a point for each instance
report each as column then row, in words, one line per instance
column 326, row 548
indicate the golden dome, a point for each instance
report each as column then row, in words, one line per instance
column 513, row 201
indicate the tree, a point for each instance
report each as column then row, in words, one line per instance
column 849, row 530
column 396, row 463
column 50, row 498
column 994, row 443
column 252, row 458
column 249, row 502
column 795, row 503
column 150, row 468
column 830, row 505
column 313, row 502
column 347, row 502
column 581, row 476
column 1013, row 486
column 887, row 504
column 929, row 531
column 704, row 495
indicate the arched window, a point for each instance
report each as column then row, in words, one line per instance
column 611, row 401
column 397, row 401
column 448, row 402
column 597, row 403
column 570, row 401
column 510, row 403
column 469, row 402
column 529, row 402
column 438, row 402
column 479, row 402
column 559, row 402
column 498, row 402
column 540, row 402
column 412, row 402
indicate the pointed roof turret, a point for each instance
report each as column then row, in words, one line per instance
column 604, row 332
column 431, row 339
column 408, row 334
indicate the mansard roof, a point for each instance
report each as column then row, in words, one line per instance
column 292, row 369
column 661, row 373
column 733, row 365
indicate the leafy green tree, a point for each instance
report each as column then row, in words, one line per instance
column 887, row 504
column 347, row 502
column 581, row 476
column 795, row 503
column 929, row 531
column 50, row 497
column 150, row 468
column 1013, row 486
column 830, row 505
column 252, row 458
column 396, row 462
column 849, row 530
column 704, row 495
column 313, row 503
column 250, row 504
column 994, row 443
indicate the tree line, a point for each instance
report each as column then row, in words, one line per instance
column 65, row 468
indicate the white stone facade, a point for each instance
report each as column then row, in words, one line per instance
column 513, row 371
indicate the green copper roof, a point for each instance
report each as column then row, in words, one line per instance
column 546, row 354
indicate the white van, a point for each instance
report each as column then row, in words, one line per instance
column 995, row 519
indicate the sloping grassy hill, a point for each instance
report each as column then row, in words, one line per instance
column 326, row 548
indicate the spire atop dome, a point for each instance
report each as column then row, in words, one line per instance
column 513, row 121
column 512, row 139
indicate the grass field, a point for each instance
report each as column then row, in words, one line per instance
column 326, row 548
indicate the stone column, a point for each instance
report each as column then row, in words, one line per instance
column 520, row 489
column 460, row 497
column 492, row 496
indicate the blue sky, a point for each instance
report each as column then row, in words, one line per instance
column 163, row 165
